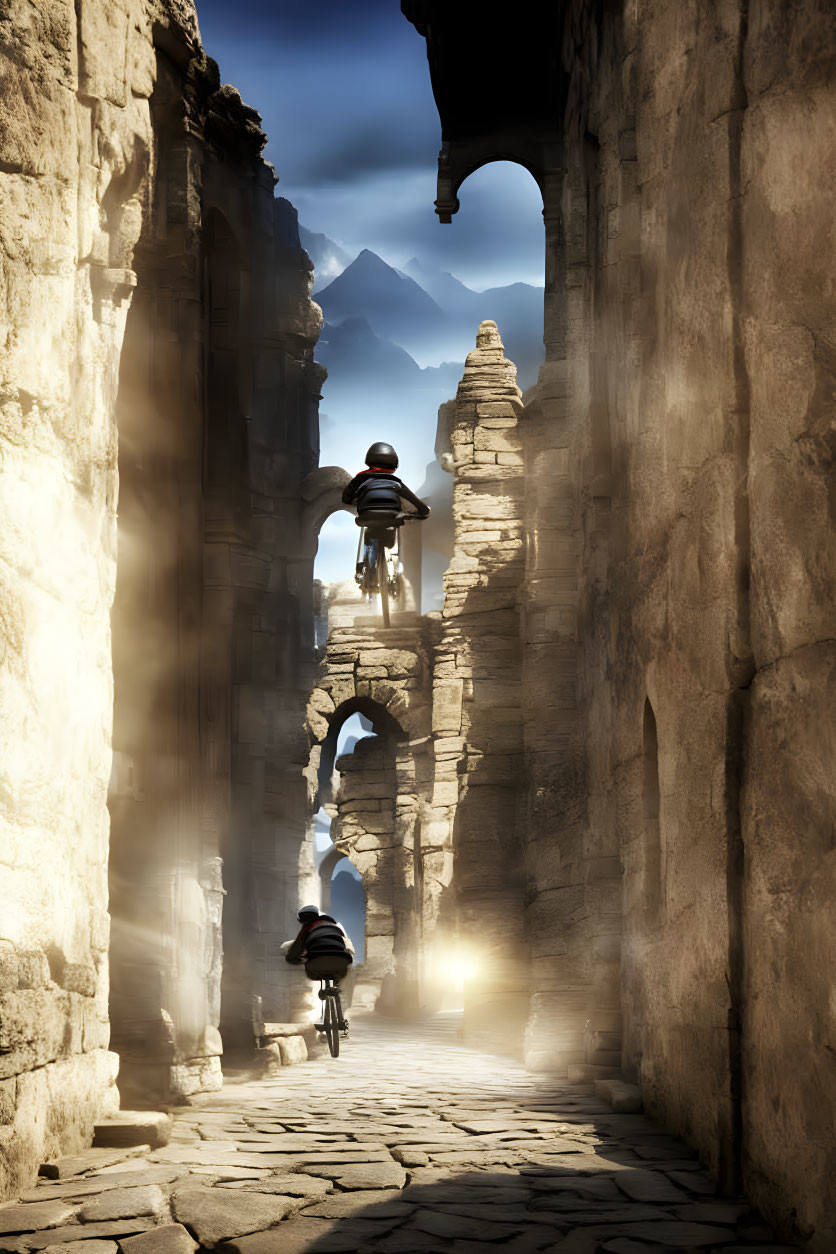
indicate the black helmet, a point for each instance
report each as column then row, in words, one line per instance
column 383, row 455
column 308, row 912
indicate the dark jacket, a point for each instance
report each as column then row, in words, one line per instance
column 321, row 936
column 379, row 489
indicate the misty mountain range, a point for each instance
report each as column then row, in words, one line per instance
column 427, row 312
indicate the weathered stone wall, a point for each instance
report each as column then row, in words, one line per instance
column 786, row 355
column 379, row 801
column 694, row 315
column 678, row 628
column 127, row 169
column 74, row 145
column 217, row 417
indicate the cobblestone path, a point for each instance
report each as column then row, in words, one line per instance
column 406, row 1143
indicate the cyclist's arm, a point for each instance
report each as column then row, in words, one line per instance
column 294, row 954
column 350, row 489
column 421, row 506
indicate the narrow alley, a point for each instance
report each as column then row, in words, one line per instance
column 407, row 1142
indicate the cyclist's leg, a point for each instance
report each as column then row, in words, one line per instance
column 370, row 555
column 347, row 987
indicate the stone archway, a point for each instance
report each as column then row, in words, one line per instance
column 376, row 802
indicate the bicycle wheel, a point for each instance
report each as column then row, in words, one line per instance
column 341, row 1023
column 332, row 1024
column 383, row 583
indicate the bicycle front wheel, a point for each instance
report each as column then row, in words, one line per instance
column 332, row 1025
column 383, row 583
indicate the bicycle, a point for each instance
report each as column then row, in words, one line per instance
column 378, row 566
column 333, row 1021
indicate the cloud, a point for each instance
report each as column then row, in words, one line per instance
column 295, row 23
column 497, row 237
column 344, row 91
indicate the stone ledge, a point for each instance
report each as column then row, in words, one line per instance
column 624, row 1098
column 133, row 1127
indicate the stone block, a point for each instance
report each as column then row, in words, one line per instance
column 103, row 51
column 133, row 1127
column 215, row 1216
column 167, row 1239
column 497, row 441
column 445, row 792
column 147, row 1199
column 34, row 1216
column 500, row 413
column 113, row 1229
column 198, row 1075
column 268, row 1059
column 9, row 967
column 447, row 707
column 625, row 1098
column 292, row 1050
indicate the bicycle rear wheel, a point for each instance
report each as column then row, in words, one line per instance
column 383, row 583
column 332, row 1024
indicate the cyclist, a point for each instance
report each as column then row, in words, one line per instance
column 377, row 493
column 321, row 944
column 326, row 951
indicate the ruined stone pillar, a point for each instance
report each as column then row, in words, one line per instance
column 476, row 807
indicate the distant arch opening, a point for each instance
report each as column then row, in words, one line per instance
column 348, row 904
column 341, row 891
column 652, row 839
column 373, row 719
column 334, row 564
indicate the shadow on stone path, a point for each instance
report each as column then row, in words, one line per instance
column 407, row 1143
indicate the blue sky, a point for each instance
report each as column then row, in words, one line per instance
column 343, row 88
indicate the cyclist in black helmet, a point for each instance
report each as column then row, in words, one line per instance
column 321, row 944
column 326, row 951
column 377, row 491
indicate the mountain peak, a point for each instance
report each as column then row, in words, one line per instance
column 370, row 259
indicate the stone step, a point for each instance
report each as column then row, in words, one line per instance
column 133, row 1127
column 589, row 1072
column 606, row 1057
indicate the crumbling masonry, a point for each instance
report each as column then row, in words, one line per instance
column 607, row 764
column 156, row 350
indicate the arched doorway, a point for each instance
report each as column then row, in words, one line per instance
column 368, row 789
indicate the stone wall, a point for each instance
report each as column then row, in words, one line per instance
column 217, row 419
column 787, row 329
column 695, row 304
column 74, row 144
column 156, row 313
column 678, row 599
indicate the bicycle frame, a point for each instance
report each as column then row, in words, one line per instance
column 333, row 1020
column 385, row 574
